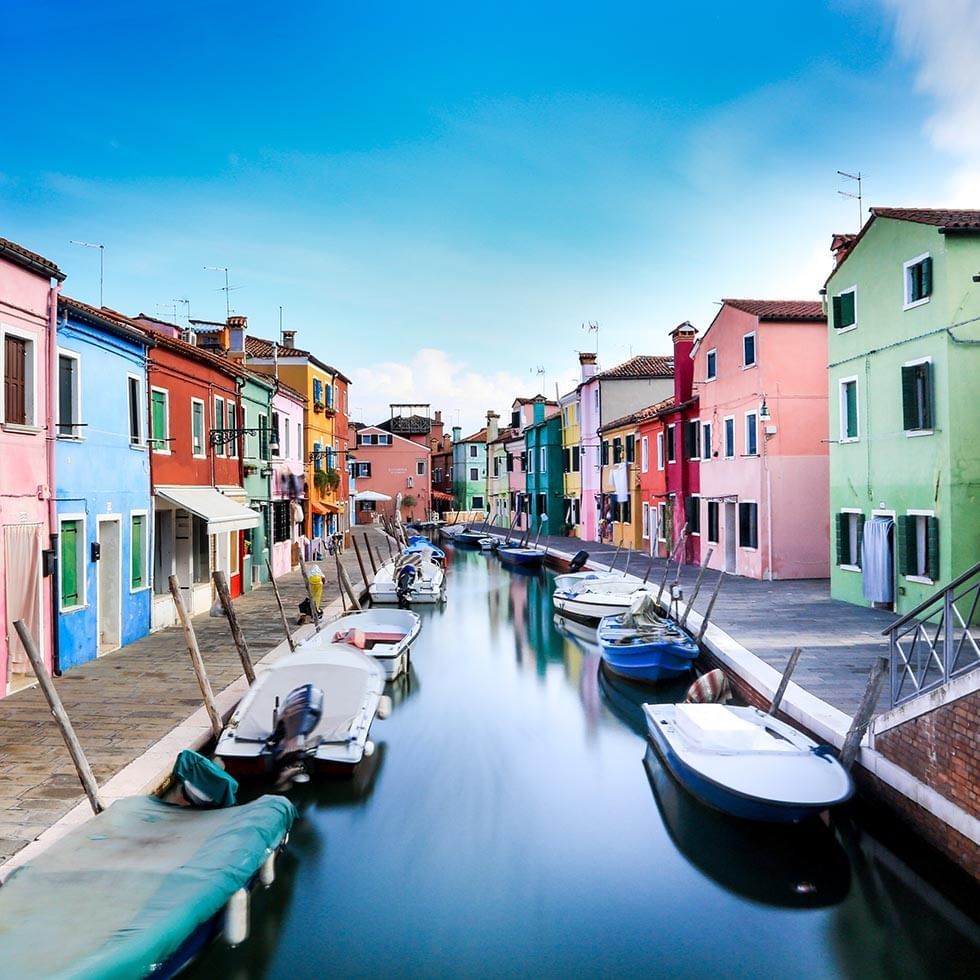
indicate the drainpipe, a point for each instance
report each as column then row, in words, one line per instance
column 51, row 429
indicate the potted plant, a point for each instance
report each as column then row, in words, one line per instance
column 318, row 406
column 320, row 481
column 333, row 479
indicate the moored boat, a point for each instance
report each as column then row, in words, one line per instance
column 591, row 600
column 407, row 580
column 473, row 539
column 745, row 762
column 421, row 545
column 515, row 555
column 384, row 634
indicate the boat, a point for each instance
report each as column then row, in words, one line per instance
column 591, row 600
column 409, row 579
column 142, row 887
column 309, row 712
column 419, row 544
column 745, row 762
column 642, row 645
column 385, row 634
column 525, row 557
column 473, row 539
column 451, row 531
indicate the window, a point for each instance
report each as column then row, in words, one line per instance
column 850, row 531
column 135, row 389
column 363, row 505
column 917, row 396
column 748, row 525
column 572, row 516
column 363, row 469
column 69, row 398
column 748, row 350
column 274, row 439
column 597, row 401
column 18, row 380
column 644, row 455
column 751, row 434
column 713, row 509
column 139, row 577
column 197, row 427
column 160, row 420
column 317, row 392
column 917, row 273
column 515, row 420
column 692, row 439
column 617, row 450
column 281, row 521
column 661, row 522
column 477, row 503
column 420, row 467
column 219, row 424
column 264, row 439
column 705, row 440
column 671, row 450
column 605, row 452
column 623, row 511
column 437, row 474
column 231, row 446
column 384, row 439
column 849, row 430
column 576, row 459
column 660, row 450
column 730, row 437
column 473, row 450
column 71, row 561
column 543, row 458
column 646, row 520
column 318, row 457
column 474, row 473
column 844, row 309
column 711, row 365
column 284, row 446
column 918, row 546
column 692, row 513
column 631, row 449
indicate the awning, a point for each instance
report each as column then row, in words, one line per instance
column 439, row 495
column 221, row 513
column 318, row 508
column 371, row 495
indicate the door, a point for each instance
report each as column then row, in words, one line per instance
column 22, row 562
column 235, row 563
column 731, row 539
column 108, row 573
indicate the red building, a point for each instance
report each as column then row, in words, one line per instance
column 196, row 471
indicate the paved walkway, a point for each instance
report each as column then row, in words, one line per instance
column 840, row 641
column 122, row 704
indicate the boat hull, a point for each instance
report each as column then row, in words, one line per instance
column 587, row 608
column 646, row 660
column 525, row 557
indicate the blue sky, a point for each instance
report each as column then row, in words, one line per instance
column 440, row 194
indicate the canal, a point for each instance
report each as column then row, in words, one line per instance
column 514, row 824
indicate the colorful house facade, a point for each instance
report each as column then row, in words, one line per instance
column 470, row 471
column 288, row 475
column 620, row 502
column 395, row 467
column 904, row 354
column 655, row 510
column 257, row 470
column 545, row 476
column 102, row 485
column 498, row 482
column 571, row 445
column 29, row 285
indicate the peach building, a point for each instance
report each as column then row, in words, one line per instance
column 761, row 371
column 388, row 464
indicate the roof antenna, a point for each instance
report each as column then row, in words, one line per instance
column 539, row 371
column 593, row 327
column 855, row 177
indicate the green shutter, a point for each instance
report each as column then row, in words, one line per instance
column 847, row 309
column 858, row 559
column 910, row 419
column 850, row 399
column 905, row 539
column 837, row 313
column 158, row 419
column 136, row 551
column 925, row 371
column 926, row 277
column 932, row 548
column 843, row 541
column 69, row 564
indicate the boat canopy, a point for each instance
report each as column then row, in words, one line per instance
column 221, row 513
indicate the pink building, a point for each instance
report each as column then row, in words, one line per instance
column 522, row 414
column 288, row 475
column 391, row 465
column 29, row 287
column 761, row 369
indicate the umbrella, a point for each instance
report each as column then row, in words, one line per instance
column 371, row 495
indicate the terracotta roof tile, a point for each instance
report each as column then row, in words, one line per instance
column 641, row 366
column 31, row 260
column 124, row 323
column 779, row 309
column 480, row 436
column 261, row 348
column 643, row 415
column 940, row 217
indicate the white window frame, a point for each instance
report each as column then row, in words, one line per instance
column 76, row 397
column 842, row 408
column 738, row 528
column 204, row 429
column 753, row 427
column 220, row 448
column 907, row 283
column 706, row 441
column 755, row 349
column 166, row 420
column 141, row 410
column 473, row 451
column 30, row 391
column 644, row 454
column 697, row 497
column 543, row 460
column 145, row 514
column 81, row 555
column 420, row 467
column 915, row 433
column 920, row 544
column 696, row 458
column 662, row 522
column 472, row 470
column 646, row 520
column 724, row 430
column 855, row 511
column 710, row 374
column 854, row 325
column 660, row 449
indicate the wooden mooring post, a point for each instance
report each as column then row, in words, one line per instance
column 670, row 558
column 375, row 565
column 221, row 585
column 84, row 770
column 197, row 661
column 777, row 698
column 711, row 606
column 314, row 610
column 282, row 611
column 360, row 560
column 697, row 587
column 862, row 717
column 391, row 551
column 346, row 585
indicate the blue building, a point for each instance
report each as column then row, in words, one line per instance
column 102, row 484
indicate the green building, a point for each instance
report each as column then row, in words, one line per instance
column 470, row 470
column 256, row 397
column 904, row 360
column 545, row 474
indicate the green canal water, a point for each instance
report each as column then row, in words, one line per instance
column 514, row 823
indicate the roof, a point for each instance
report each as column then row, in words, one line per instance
column 225, row 365
column 779, row 309
column 531, row 401
column 955, row 219
column 505, row 435
column 29, row 260
column 643, row 415
column 641, row 366
column 480, row 436
column 106, row 318
column 261, row 349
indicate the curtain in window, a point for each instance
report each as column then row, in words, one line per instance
column 876, row 549
column 22, row 554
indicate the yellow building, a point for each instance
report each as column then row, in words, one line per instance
column 620, row 520
column 571, row 445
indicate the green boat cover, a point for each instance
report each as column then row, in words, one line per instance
column 118, row 895
column 204, row 783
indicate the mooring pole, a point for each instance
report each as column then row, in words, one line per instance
column 314, row 611
column 862, row 718
column 670, row 558
column 626, row 567
column 221, row 584
column 697, row 587
column 784, row 680
column 197, row 661
column 85, row 774
column 346, row 585
column 711, row 605
column 360, row 560
column 282, row 611
column 375, row 565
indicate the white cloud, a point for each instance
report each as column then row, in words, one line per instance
column 943, row 39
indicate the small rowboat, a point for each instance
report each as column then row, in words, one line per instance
column 473, row 539
column 525, row 557
column 591, row 599
column 746, row 763
column 384, row 634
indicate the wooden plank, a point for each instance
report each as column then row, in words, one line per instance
column 221, row 584
column 862, row 718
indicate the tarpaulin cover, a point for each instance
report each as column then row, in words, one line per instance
column 204, row 783
column 120, row 893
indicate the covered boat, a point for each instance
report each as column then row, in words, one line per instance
column 409, row 579
column 516, row 555
column 309, row 712
column 473, row 539
column 591, row 599
column 642, row 645
column 385, row 634
column 139, row 889
column 746, row 763
column 419, row 544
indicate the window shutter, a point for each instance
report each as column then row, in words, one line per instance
column 927, row 277
column 843, row 542
column 69, row 563
column 858, row 559
column 15, row 380
column 847, row 309
column 926, row 373
column 838, row 313
column 136, row 551
column 743, row 525
column 909, row 415
column 906, row 545
column 630, row 448
column 932, row 548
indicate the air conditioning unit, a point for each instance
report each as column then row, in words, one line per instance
column 189, row 337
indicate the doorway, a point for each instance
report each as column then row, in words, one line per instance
column 22, row 561
column 235, row 563
column 108, row 573
column 731, row 539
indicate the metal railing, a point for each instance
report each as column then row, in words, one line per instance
column 937, row 640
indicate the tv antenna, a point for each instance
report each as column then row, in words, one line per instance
column 593, row 327
column 857, row 178
column 186, row 303
column 539, row 371
column 171, row 308
column 226, row 289
column 101, row 249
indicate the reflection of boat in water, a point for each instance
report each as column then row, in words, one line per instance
column 625, row 699
column 798, row 866
column 403, row 687
column 581, row 634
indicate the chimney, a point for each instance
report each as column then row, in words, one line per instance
column 437, row 418
column 683, row 336
column 587, row 361
column 457, row 433
column 840, row 245
column 538, row 409
column 235, row 330
column 493, row 426
column 289, row 338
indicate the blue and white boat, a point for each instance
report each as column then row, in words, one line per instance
column 643, row 646
column 745, row 762
column 419, row 544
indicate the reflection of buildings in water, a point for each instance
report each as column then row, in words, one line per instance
column 582, row 665
column 518, row 605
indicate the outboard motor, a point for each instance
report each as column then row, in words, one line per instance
column 578, row 561
column 405, row 583
column 300, row 714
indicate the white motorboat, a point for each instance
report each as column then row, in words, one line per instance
column 308, row 712
column 745, row 762
column 409, row 579
column 592, row 599
column 385, row 634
